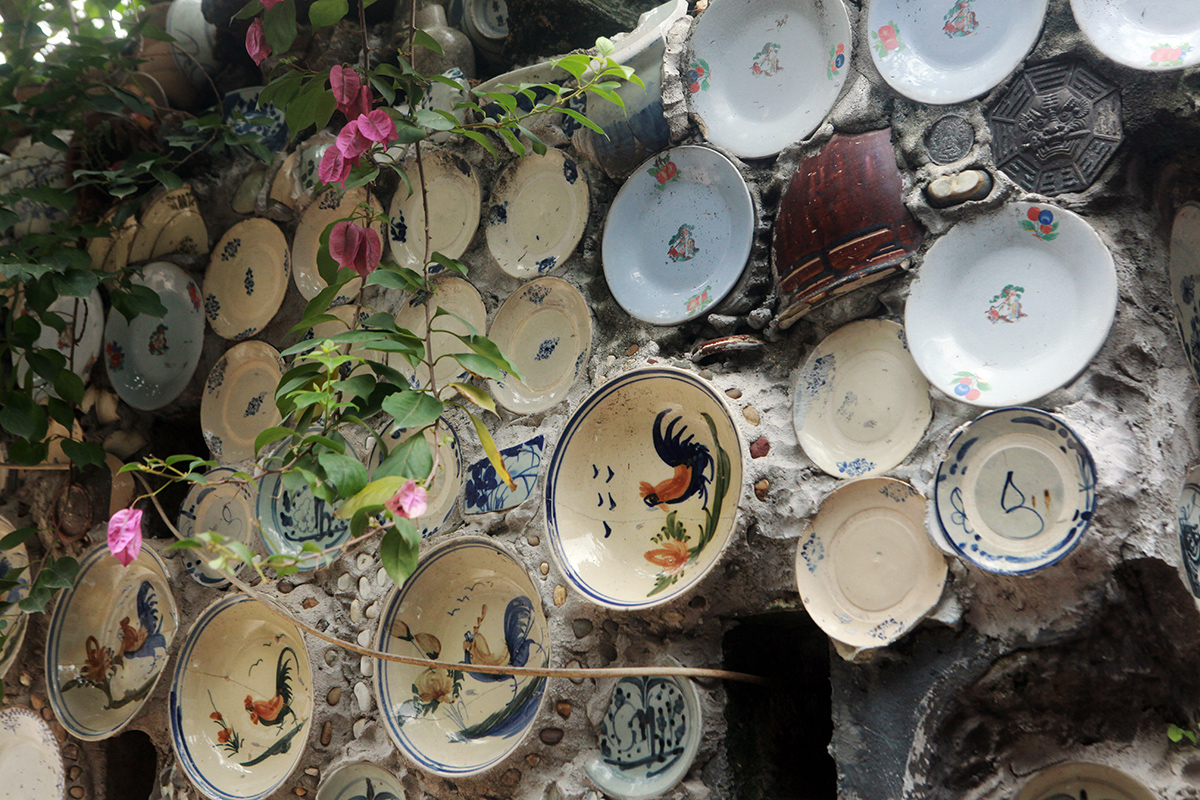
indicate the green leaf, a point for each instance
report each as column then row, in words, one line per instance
column 59, row 573
column 1027, row 225
column 487, row 348
column 407, row 133
column 449, row 263
column 270, row 436
column 346, row 473
column 576, row 64
column 605, row 46
column 481, row 140
column 166, row 177
column 476, row 395
column 398, row 550
column 83, row 453
column 327, row 12
column 249, row 10
column 373, row 495
column 477, row 364
column 423, row 39
column 279, row 25
column 19, row 536
column 412, row 458
column 412, row 409
column 69, row 387
column 493, row 453
column 581, row 119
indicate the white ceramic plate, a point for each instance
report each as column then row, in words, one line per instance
column 195, row 38
column 1015, row 491
column 1005, row 309
column 1078, row 780
column 360, row 782
column 764, row 73
column 224, row 508
column 948, row 51
column 34, row 165
column 447, row 481
column 239, row 400
column 643, row 488
column 460, row 298
column 469, row 601
column 1184, row 272
column 327, row 208
column 1153, row 35
column 545, row 330
column 537, row 212
column 453, row 195
column 865, row 567
column 109, row 637
column 241, row 700
column 30, row 760
column 861, row 405
column 79, row 342
column 678, row 235
column 151, row 360
column 246, row 279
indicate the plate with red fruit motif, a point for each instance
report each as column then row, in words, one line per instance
column 1152, row 35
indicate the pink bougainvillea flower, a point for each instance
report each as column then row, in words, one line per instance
column 358, row 248
column 377, row 126
column 409, row 502
column 269, row 4
column 256, row 42
column 125, row 535
column 334, row 167
column 352, row 97
column 351, row 142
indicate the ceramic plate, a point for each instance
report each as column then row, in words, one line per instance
column 170, row 223
column 861, row 405
column 485, row 492
column 469, row 601
column 224, row 508
column 116, row 257
column 362, row 781
column 1184, row 271
column 545, row 331
column 1033, row 290
column 30, row 760
column 239, row 400
column 34, row 165
column 1076, row 780
column 764, row 73
column 329, row 207
column 291, row 518
column 447, row 481
column 243, row 114
column 79, row 342
column 865, row 567
column 1153, row 35
column 678, row 235
column 108, row 642
column 1189, row 531
column 151, row 360
column 550, row 126
column 1015, row 491
column 948, row 51
column 195, row 38
column 643, row 488
column 453, row 195
column 15, row 619
column 246, row 279
column 460, row 298
column 241, row 700
column 537, row 212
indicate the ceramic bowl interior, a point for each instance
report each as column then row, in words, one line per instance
column 643, row 488
column 1184, row 272
column 224, row 508
column 108, row 642
column 454, row 197
column 447, row 481
column 247, row 279
column 678, row 235
column 1189, row 531
column 1033, row 290
column 30, row 760
column 937, row 52
column 241, row 700
column 764, row 73
column 461, row 299
column 1076, row 780
column 1015, row 491
column 362, row 781
column 239, row 400
column 246, row 117
column 468, row 601
column 545, row 330
column 1152, row 35
column 327, row 208
column 865, row 568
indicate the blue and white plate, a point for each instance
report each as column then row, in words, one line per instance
column 361, row 781
column 14, row 618
column 239, row 400
column 447, row 481
column 80, row 340
column 1189, row 531
column 30, row 760
column 1184, row 272
column 486, row 492
column 291, row 518
column 224, row 508
column 1015, row 491
column 244, row 115
column 453, row 196
column 246, row 279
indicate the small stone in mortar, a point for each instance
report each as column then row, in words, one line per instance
column 545, row 568
column 511, row 777
column 366, row 666
column 300, row 791
column 582, row 627
column 327, row 733
column 356, row 611
column 563, row 708
column 551, row 736
column 372, row 611
column 60, row 733
column 707, row 374
column 363, row 695
column 308, row 603
column 364, row 562
column 760, row 447
column 364, row 638
column 733, row 394
column 70, row 752
column 633, row 348
column 611, row 627
column 381, row 577
column 761, row 488
column 360, row 727
column 334, row 696
column 951, row 190
column 284, row 587
column 344, row 581
column 560, row 595
column 25, row 679
column 36, row 702
column 574, row 664
column 364, row 587
column 75, row 772
column 331, row 656
column 533, row 759
column 751, row 415
column 534, row 541
column 76, row 792
column 312, row 772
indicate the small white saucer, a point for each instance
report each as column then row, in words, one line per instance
column 246, row 279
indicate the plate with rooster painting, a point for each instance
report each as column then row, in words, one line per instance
column 470, row 602
column 241, row 700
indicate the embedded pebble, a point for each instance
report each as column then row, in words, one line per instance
column 364, row 587
column 760, row 447
column 356, row 611
column 309, row 603
column 610, row 360
column 563, row 708
column 313, row 772
column 25, row 680
column 511, row 777
column 560, row 595
column 534, row 541
column 344, row 581
column 533, row 759
column 70, row 752
column 75, row 772
column 334, row 696
column 759, row 318
column 551, row 736
column 360, row 727
column 47, row 714
column 300, row 791
column 545, row 568
column 751, row 415
column 327, row 733
column 372, row 611
column 381, row 577
column 60, row 733
column 363, row 695
column 331, row 656
column 364, row 562
column 761, row 488
column 733, row 394
column 36, row 702
column 672, row 617
column 951, row 190
column 582, row 627
column 611, row 627
column 284, row 587
column 707, row 374
column 633, row 348
column 698, row 602
column 364, row 638
column 366, row 666
column 574, row 664
column 76, row 792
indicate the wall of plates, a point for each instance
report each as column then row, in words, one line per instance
column 873, row 324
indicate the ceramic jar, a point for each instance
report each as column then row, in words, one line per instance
column 456, row 47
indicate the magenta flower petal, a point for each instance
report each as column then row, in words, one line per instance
column 351, row 142
column 269, row 4
column 334, row 168
column 377, row 126
column 346, row 85
column 409, row 502
column 256, row 42
column 125, row 535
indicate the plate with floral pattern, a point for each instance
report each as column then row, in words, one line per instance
column 361, row 781
column 152, row 359
column 329, row 207
column 948, row 51
column 453, row 195
column 1184, row 272
column 224, row 505
column 290, row 517
column 246, row 279
column 1151, row 35
column 444, row 487
column 239, row 400
column 537, row 213
column 1010, row 306
column 678, row 235
column 459, row 297
column 30, row 760
column 765, row 73
column 866, row 570
column 545, row 330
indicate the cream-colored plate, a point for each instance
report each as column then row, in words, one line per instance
column 545, row 330
column 116, row 254
column 239, row 400
column 247, row 279
column 224, row 508
column 1076, row 780
column 861, row 405
column 359, row 782
column 865, row 567
column 14, row 558
column 537, row 214
column 241, row 700
column 30, row 760
column 174, row 217
column 329, row 207
column 453, row 194
column 447, row 481
column 108, row 642
column 460, row 298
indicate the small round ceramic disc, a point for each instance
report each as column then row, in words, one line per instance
column 15, row 619
column 246, row 279
column 1152, row 35
column 447, row 481
column 1079, row 780
column 861, row 405
column 80, row 341
column 453, row 195
column 461, row 299
column 30, row 760
column 678, row 235
column 948, row 51
column 866, row 570
column 174, row 218
column 545, row 330
column 764, row 73
column 1188, row 517
column 224, row 508
column 537, row 213
column 1010, row 306
column 109, row 638
column 359, row 782
column 1015, row 491
column 151, row 359
column 241, row 700
column 1184, row 272
column 327, row 208
column 239, row 400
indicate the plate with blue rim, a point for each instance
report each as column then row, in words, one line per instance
column 247, row 118
column 1015, row 491
column 246, row 279
column 222, row 505
column 239, row 400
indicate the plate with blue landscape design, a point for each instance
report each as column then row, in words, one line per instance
column 107, row 646
column 1184, row 271
column 239, row 400
column 1189, row 531
column 1015, row 491
column 470, row 602
column 246, row 279
column 361, row 781
column 453, row 195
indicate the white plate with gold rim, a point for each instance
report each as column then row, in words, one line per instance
column 453, row 195
column 865, row 567
column 327, row 208
column 537, row 213
column 860, row 404
column 30, row 760
column 447, row 481
column 174, row 218
column 246, row 279
column 461, row 299
column 239, row 400
column 545, row 330
column 222, row 505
